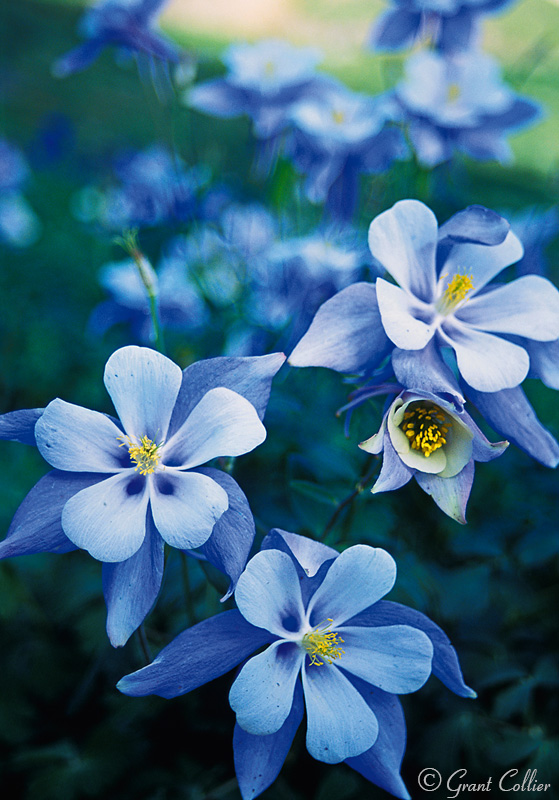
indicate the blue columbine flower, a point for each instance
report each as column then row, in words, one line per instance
column 339, row 135
column 460, row 103
column 435, row 441
column 19, row 225
column 123, row 487
column 125, row 24
column 335, row 647
column 450, row 25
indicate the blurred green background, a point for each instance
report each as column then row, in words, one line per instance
column 65, row 732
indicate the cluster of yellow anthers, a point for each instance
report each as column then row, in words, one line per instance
column 457, row 289
column 321, row 642
column 426, row 428
column 145, row 454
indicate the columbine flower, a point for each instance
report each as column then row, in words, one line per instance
column 339, row 135
column 444, row 298
column 125, row 24
column 451, row 25
column 332, row 641
column 123, row 487
column 460, row 103
column 425, row 437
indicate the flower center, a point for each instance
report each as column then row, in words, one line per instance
column 456, row 291
column 269, row 68
column 453, row 93
column 426, row 428
column 144, row 454
column 321, row 642
column 338, row 117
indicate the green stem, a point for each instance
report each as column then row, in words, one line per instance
column 347, row 501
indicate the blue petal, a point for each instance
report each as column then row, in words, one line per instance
column 445, row 661
column 229, row 545
column 457, row 31
column 528, row 306
column 131, row 587
column 143, row 385
column 216, row 97
column 450, row 494
column 380, row 764
column 404, row 240
column 487, row 362
column 475, row 224
column 76, row 439
column 262, row 694
column 19, row 426
column 250, row 377
column 359, row 577
column 394, row 473
column 397, row 658
column 259, row 759
column 107, row 519
column 196, row 656
column 340, row 724
column 544, row 361
column 510, row 414
column 36, row 526
column 404, row 318
column 268, row 593
column 482, row 448
column 77, row 59
column 346, row 334
column 425, row 370
column 223, row 423
column 308, row 553
column 186, row 506
column 482, row 262
column 395, row 29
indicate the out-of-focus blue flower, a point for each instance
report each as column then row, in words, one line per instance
column 535, row 229
column 460, row 103
column 334, row 646
column 128, row 25
column 53, row 140
column 450, row 25
column 19, row 225
column 339, row 135
column 436, row 442
column 179, row 304
column 154, row 188
column 123, row 487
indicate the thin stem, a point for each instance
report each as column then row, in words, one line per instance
column 142, row 638
column 347, row 501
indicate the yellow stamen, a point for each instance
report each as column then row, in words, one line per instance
column 338, row 117
column 453, row 93
column 321, row 642
column 456, row 291
column 145, row 454
column 426, row 427
column 269, row 68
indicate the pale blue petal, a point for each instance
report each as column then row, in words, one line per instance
column 380, row 764
column 76, row 439
column 475, row 224
column 223, row 423
column 424, row 370
column 486, row 362
column 404, row 240
column 143, row 385
column 394, row 473
column 510, row 414
column 19, row 426
column 528, row 306
column 259, row 759
column 482, row 262
column 397, row 659
column 395, row 29
column 407, row 321
column 229, row 545
column 268, row 593
column 107, row 519
column 215, row 97
column 186, row 506
column 346, row 333
column 482, row 448
column 544, row 361
column 359, row 577
column 36, row 526
column 131, row 587
column 445, row 661
column 198, row 655
column 250, row 377
column 262, row 694
column 450, row 494
column 308, row 553
column 340, row 724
